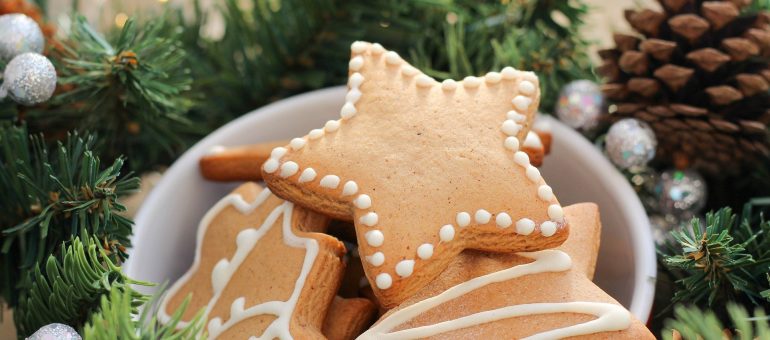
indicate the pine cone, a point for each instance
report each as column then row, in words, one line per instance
column 699, row 74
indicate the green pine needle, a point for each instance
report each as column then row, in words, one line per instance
column 694, row 323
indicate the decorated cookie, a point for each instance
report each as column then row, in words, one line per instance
column 259, row 270
column 546, row 294
column 424, row 169
column 237, row 163
column 348, row 318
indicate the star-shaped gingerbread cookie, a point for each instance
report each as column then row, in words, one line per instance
column 423, row 169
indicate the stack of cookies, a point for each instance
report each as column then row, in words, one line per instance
column 420, row 213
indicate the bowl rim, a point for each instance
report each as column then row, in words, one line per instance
column 645, row 262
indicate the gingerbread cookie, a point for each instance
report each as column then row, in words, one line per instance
column 539, row 295
column 348, row 318
column 258, row 270
column 423, row 169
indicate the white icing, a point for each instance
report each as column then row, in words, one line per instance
column 278, row 152
column 471, row 82
column 527, row 88
column 220, row 274
column 376, row 259
column 503, row 220
column 425, row 251
column 530, row 76
column 405, row 268
column 515, row 116
column 270, row 166
column 377, row 48
column 449, row 85
column 545, row 192
column 463, row 219
column 392, row 58
column 521, row 158
column 358, row 47
column 555, row 213
column 533, row 174
column 533, row 141
column 510, row 127
column 409, row 70
column 356, row 79
column 508, row 73
column 307, row 175
column 369, row 219
column 332, row 126
column 349, row 188
column 356, row 63
column 525, row 226
column 482, row 216
column 521, row 103
column 330, row 181
column 374, row 238
column 493, row 77
column 353, row 95
column 610, row 317
column 348, row 111
column 425, row 81
column 511, row 143
column 297, row 143
column 548, row 228
column 363, row 201
column 288, row 169
column 383, row 281
column 446, row 233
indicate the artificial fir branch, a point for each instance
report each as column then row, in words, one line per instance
column 51, row 196
column 694, row 323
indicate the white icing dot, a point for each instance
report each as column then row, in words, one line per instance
column 384, row 281
column 527, row 88
column 374, row 238
column 369, row 219
column 355, row 80
column 424, row 81
column 530, row 76
column 449, row 85
column 238, row 306
column 521, row 158
column 446, row 233
column 315, row 133
column 377, row 48
column 503, row 220
column 289, row 169
column 278, row 152
column 409, row 70
column 356, row 63
column 510, row 127
column 353, row 95
column 545, row 192
column 555, row 212
column 521, row 103
column 270, row 166
column 348, row 111
column 297, row 143
column 376, row 259
column 358, row 47
column 533, row 141
column 349, row 188
column 548, row 228
column 463, row 219
column 332, row 126
column 482, row 216
column 425, row 251
column 508, row 73
column 493, row 77
column 392, row 58
column 525, row 226
column 512, row 143
column 307, row 175
column 405, row 268
column 363, row 201
column 533, row 174
column 330, row 181
column 515, row 116
column 471, row 82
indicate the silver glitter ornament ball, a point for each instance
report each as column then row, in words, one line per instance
column 55, row 331
column 629, row 143
column 29, row 79
column 19, row 34
column 580, row 104
column 680, row 193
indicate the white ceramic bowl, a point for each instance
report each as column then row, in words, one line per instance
column 164, row 239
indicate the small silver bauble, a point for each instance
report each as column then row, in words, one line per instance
column 630, row 142
column 580, row 104
column 29, row 79
column 20, row 34
column 680, row 193
column 55, row 331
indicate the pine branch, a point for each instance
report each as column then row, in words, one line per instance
column 49, row 197
column 72, row 286
column 694, row 323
